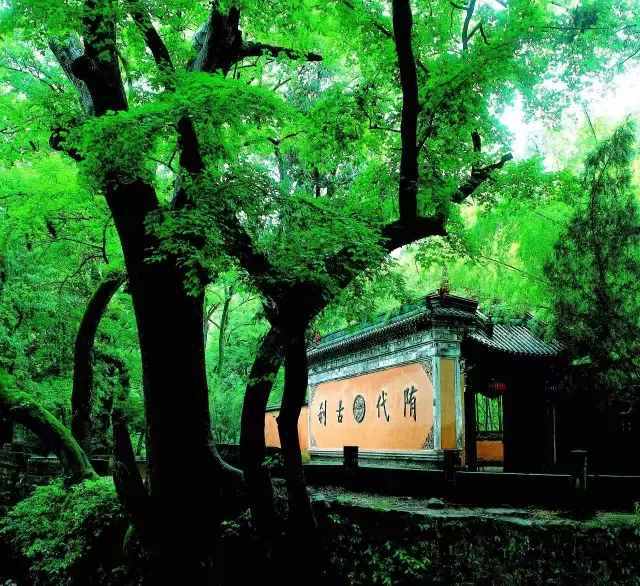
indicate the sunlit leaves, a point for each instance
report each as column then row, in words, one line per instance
column 595, row 272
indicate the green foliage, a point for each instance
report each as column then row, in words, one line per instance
column 304, row 155
column 595, row 271
column 442, row 549
column 56, row 243
column 64, row 534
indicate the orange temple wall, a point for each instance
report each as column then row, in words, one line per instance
column 490, row 451
column 271, row 437
column 400, row 428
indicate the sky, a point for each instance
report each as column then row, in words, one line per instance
column 610, row 103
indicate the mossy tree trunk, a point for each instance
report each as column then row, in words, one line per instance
column 19, row 407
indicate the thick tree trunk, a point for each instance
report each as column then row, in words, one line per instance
column 302, row 521
column 176, row 397
column 252, row 443
column 81, row 394
column 184, row 471
column 20, row 408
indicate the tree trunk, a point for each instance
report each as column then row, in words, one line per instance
column 6, row 431
column 252, row 444
column 20, row 408
column 302, row 521
column 81, row 394
column 224, row 324
column 126, row 475
column 184, row 470
column 141, row 441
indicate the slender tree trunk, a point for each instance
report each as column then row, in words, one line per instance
column 81, row 394
column 224, row 325
column 302, row 521
column 20, row 408
column 252, row 443
column 126, row 475
column 140, row 443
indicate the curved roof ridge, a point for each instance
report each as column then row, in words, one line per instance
column 510, row 336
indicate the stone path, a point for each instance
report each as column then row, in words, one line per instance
column 439, row 508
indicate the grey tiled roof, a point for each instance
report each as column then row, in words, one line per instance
column 515, row 339
column 405, row 320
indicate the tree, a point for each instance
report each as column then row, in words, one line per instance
column 352, row 187
column 428, row 191
column 83, row 367
column 594, row 274
column 178, row 429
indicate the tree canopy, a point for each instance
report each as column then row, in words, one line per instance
column 190, row 190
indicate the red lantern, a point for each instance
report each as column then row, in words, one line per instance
column 496, row 388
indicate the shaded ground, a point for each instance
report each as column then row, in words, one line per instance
column 369, row 539
column 437, row 508
column 396, row 540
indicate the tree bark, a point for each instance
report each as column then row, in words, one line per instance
column 184, row 471
column 252, row 443
column 81, row 394
column 65, row 53
column 224, row 324
column 302, row 522
column 126, row 475
column 409, row 175
column 20, row 408
column 169, row 323
column 169, row 320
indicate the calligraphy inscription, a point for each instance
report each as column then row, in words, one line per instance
column 410, row 407
column 382, row 405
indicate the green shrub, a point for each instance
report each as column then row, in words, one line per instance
column 67, row 536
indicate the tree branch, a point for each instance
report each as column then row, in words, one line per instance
column 478, row 177
column 408, row 188
column 153, row 40
column 465, row 26
column 57, row 141
column 99, row 67
column 252, row 49
column 82, row 391
column 66, row 53
column 21, row 408
column 398, row 234
column 219, row 41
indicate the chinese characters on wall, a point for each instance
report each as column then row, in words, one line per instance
column 383, row 410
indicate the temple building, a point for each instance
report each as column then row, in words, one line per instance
column 438, row 375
